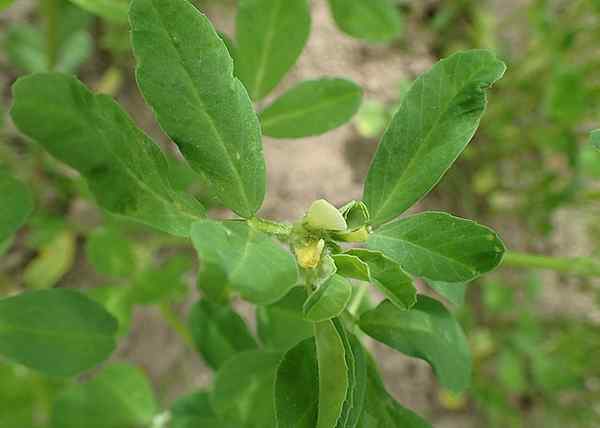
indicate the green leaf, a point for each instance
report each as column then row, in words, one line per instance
column 355, row 213
column 388, row 277
column 120, row 396
column 333, row 374
column 435, row 122
column 16, row 201
column 5, row 4
column 116, row 300
column 110, row 253
column 58, row 332
column 244, row 386
column 351, row 266
column 381, row 410
column 194, row 411
column 429, row 332
column 74, row 52
column 55, row 258
column 113, row 10
column 244, row 260
column 439, row 246
column 595, row 138
column 453, row 291
column 270, row 36
column 297, row 387
column 92, row 134
column 328, row 300
column 372, row 20
column 218, row 332
column 282, row 325
column 198, row 103
column 312, row 107
column 159, row 284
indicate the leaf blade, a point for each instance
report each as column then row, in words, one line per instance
column 374, row 21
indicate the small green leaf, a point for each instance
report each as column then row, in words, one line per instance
column 312, row 107
column 198, row 103
column 351, row 266
column 16, row 202
column 453, row 291
column 323, row 216
column 55, row 258
column 113, row 10
column 439, row 246
column 58, row 332
column 195, row 411
column 355, row 213
column 270, row 36
column 116, row 300
column 372, row 20
column 328, row 300
column 388, row 277
column 159, row 284
column 333, row 374
column 244, row 260
column 595, row 138
column 381, row 410
column 282, row 325
column 244, row 386
column 110, row 253
column 120, row 396
column 434, row 124
column 297, row 387
column 92, row 134
column 218, row 332
column 429, row 332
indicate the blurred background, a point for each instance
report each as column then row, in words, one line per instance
column 529, row 173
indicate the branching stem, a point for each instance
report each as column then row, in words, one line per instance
column 582, row 266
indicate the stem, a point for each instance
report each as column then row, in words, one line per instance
column 357, row 300
column 50, row 8
column 172, row 319
column 281, row 230
column 582, row 266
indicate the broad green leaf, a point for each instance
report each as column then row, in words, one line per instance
column 197, row 101
column 55, row 258
column 312, row 107
column 58, row 332
column 116, row 300
column 439, row 246
column 595, row 138
column 218, row 332
column 16, row 204
column 5, row 4
column 244, row 260
column 195, row 411
column 357, row 378
column 297, row 387
column 163, row 283
column 119, row 396
column 429, row 332
column 328, row 300
column 92, row 134
column 113, row 10
column 323, row 216
column 381, row 410
column 244, row 387
column 333, row 374
column 270, row 36
column 453, row 291
column 351, row 266
column 110, row 253
column 371, row 20
column 434, row 124
column 388, row 277
column 282, row 325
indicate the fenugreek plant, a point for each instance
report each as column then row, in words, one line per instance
column 306, row 366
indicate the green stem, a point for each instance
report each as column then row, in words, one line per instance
column 582, row 266
column 357, row 300
column 172, row 319
column 50, row 8
column 281, row 230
